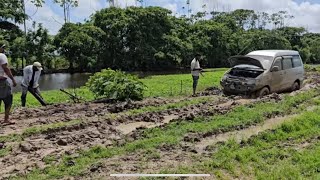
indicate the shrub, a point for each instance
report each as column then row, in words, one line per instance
column 116, row 85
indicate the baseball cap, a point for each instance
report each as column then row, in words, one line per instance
column 38, row 65
column 2, row 46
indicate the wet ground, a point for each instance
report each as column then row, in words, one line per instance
column 90, row 124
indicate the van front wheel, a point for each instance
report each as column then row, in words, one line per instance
column 295, row 86
column 263, row 92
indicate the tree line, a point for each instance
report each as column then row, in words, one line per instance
column 152, row 38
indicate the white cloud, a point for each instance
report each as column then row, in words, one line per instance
column 85, row 9
column 124, row 3
column 172, row 7
column 306, row 14
column 45, row 15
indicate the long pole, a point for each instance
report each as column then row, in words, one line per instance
column 25, row 26
column 188, row 4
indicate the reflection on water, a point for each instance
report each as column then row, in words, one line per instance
column 57, row 81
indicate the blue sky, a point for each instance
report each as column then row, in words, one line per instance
column 306, row 12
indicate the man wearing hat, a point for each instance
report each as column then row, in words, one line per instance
column 195, row 72
column 5, row 87
column 31, row 75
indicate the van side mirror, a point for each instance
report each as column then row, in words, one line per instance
column 275, row 68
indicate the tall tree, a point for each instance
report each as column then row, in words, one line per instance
column 293, row 35
column 243, row 17
column 66, row 5
column 80, row 44
column 133, row 35
column 37, row 42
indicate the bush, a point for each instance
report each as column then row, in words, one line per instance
column 116, row 85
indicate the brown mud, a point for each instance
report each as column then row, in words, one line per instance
column 97, row 127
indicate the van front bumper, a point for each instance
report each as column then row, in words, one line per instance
column 238, row 87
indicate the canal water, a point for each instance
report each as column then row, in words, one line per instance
column 57, row 81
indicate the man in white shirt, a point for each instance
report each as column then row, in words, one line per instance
column 5, row 87
column 31, row 75
column 195, row 72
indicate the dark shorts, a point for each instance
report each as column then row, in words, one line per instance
column 7, row 101
column 195, row 78
column 5, row 93
column 195, row 81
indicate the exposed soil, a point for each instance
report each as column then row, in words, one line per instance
column 57, row 142
column 27, row 117
column 104, row 124
column 184, row 155
column 142, row 163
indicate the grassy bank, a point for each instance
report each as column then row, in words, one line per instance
column 162, row 86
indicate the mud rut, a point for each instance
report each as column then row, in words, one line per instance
column 185, row 154
column 99, row 129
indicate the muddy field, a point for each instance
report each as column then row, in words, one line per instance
column 67, row 129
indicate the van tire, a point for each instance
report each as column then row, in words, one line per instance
column 295, row 86
column 263, row 92
column 226, row 93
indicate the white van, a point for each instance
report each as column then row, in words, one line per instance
column 262, row 72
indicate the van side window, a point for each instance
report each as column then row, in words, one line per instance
column 278, row 63
column 296, row 61
column 287, row 63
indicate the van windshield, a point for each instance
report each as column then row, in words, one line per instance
column 266, row 61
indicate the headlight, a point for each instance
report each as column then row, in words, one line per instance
column 251, row 81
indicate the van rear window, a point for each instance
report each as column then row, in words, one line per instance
column 287, row 63
column 296, row 61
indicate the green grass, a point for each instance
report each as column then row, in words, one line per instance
column 5, row 151
column 39, row 129
column 54, row 96
column 180, row 104
column 170, row 85
column 36, row 130
column 273, row 154
column 172, row 134
column 157, row 86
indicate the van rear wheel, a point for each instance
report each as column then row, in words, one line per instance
column 263, row 92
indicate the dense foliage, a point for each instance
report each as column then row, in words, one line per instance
column 152, row 38
column 80, row 44
column 116, row 85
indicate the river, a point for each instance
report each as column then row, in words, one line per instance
column 57, row 81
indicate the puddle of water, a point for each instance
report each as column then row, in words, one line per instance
column 240, row 101
column 245, row 133
column 128, row 128
column 169, row 118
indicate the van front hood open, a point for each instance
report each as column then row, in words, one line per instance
column 241, row 60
